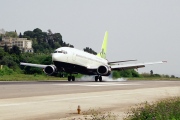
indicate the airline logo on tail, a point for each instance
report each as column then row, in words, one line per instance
column 102, row 54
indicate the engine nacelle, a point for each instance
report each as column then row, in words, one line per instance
column 104, row 70
column 50, row 69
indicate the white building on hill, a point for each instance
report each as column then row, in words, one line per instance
column 23, row 44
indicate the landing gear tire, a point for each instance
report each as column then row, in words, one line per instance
column 73, row 78
column 100, row 78
column 69, row 78
column 96, row 78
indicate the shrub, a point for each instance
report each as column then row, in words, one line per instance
column 149, row 75
column 125, row 73
column 116, row 74
column 146, row 75
column 167, row 109
column 156, row 75
column 6, row 71
column 172, row 76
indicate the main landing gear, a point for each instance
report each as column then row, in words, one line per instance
column 71, row 78
column 98, row 78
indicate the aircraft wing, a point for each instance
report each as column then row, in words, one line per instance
column 121, row 61
column 133, row 66
column 33, row 65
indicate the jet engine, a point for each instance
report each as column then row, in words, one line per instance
column 50, row 69
column 104, row 70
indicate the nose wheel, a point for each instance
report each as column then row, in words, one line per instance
column 98, row 78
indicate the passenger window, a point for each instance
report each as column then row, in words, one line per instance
column 55, row 51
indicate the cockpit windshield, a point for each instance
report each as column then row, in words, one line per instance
column 60, row 51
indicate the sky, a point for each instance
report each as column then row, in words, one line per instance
column 146, row 30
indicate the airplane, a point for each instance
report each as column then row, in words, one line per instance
column 74, row 61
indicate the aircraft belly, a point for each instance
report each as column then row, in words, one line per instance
column 72, row 68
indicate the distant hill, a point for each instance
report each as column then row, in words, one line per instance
column 44, row 42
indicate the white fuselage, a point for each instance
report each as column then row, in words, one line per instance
column 77, row 57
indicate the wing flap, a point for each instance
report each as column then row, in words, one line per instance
column 133, row 66
column 33, row 65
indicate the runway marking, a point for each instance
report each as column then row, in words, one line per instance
column 95, row 84
column 62, row 99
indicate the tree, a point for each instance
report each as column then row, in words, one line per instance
column 2, row 53
column 20, row 36
column 15, row 50
column 1, row 38
column 29, row 34
column 89, row 50
column 37, row 30
column 172, row 76
column 45, row 41
column 47, row 60
column 38, row 34
column 6, row 49
column 151, row 72
column 8, row 60
column 49, row 32
column 56, row 45
column 71, row 46
column 11, row 34
column 57, row 37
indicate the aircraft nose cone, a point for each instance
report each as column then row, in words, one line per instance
column 55, row 57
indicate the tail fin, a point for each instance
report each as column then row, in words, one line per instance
column 102, row 54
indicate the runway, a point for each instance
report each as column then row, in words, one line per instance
column 59, row 99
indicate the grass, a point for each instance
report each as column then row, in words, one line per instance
column 38, row 77
column 166, row 109
column 99, row 115
column 25, row 77
column 153, row 78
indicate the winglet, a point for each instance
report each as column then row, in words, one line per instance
column 102, row 54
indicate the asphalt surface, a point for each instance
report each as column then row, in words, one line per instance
column 41, row 88
column 59, row 99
